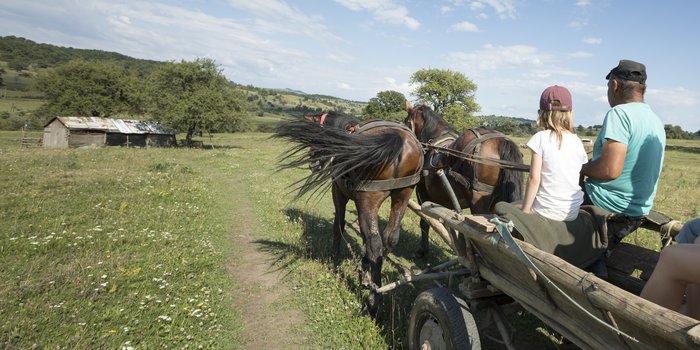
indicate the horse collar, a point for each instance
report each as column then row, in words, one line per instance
column 323, row 118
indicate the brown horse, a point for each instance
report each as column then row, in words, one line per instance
column 366, row 163
column 472, row 162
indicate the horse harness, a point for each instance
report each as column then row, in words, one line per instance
column 471, row 181
column 380, row 185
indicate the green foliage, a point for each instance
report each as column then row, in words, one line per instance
column 459, row 118
column 195, row 96
column 389, row 104
column 85, row 88
column 675, row 132
column 443, row 88
column 508, row 125
column 21, row 54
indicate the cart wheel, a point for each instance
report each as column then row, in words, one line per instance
column 441, row 320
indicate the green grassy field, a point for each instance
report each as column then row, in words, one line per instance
column 117, row 248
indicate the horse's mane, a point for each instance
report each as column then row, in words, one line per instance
column 509, row 186
column 431, row 121
column 341, row 120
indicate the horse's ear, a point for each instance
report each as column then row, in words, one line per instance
column 409, row 107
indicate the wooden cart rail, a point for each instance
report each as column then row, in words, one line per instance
column 647, row 325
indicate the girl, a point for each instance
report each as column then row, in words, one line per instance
column 553, row 189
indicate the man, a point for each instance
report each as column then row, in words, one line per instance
column 628, row 153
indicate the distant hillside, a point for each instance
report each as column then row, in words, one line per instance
column 23, row 54
column 509, row 125
column 21, row 60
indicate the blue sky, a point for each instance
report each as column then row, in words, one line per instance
column 354, row 49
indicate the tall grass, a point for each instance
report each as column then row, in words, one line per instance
column 111, row 248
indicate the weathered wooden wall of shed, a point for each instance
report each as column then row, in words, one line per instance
column 84, row 138
column 154, row 140
column 126, row 140
column 55, row 135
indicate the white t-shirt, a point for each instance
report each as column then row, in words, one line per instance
column 559, row 195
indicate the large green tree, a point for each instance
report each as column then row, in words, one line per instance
column 85, row 88
column 388, row 104
column 449, row 93
column 195, row 96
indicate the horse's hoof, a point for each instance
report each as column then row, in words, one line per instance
column 394, row 240
column 371, row 306
column 366, row 279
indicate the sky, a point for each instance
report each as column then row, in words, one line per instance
column 353, row 49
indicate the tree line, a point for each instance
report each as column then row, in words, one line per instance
column 188, row 96
column 22, row 54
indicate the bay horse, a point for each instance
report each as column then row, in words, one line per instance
column 366, row 162
column 478, row 179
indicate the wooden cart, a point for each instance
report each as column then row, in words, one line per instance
column 499, row 277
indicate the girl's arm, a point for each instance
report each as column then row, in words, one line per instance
column 533, row 182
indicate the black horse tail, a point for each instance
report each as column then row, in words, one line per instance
column 359, row 158
column 509, row 187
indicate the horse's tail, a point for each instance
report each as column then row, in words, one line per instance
column 509, row 186
column 360, row 157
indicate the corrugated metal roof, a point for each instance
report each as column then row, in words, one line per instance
column 115, row 125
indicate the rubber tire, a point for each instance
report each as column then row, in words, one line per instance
column 440, row 309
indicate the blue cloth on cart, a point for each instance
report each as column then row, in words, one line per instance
column 689, row 232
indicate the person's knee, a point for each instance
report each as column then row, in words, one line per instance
column 690, row 232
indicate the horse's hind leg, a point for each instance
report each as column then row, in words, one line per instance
column 399, row 202
column 423, row 249
column 340, row 201
column 424, row 230
column 368, row 209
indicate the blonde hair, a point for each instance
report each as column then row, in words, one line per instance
column 556, row 121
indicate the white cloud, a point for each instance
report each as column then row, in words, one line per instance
column 672, row 106
column 556, row 73
column 583, row 3
column 678, row 97
column 464, row 27
column 383, row 10
column 403, row 88
column 492, row 57
column 504, row 8
column 592, row 40
column 274, row 16
column 340, row 57
column 577, row 24
column 476, row 6
column 580, row 54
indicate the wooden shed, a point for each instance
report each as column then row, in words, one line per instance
column 63, row 132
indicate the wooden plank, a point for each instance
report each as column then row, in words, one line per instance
column 481, row 222
column 628, row 260
column 586, row 300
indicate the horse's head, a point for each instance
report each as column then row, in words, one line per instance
column 415, row 119
column 425, row 123
column 317, row 118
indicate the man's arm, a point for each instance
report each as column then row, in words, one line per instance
column 609, row 165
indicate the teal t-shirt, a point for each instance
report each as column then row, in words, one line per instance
column 632, row 193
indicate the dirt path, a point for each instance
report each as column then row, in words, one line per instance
column 270, row 320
